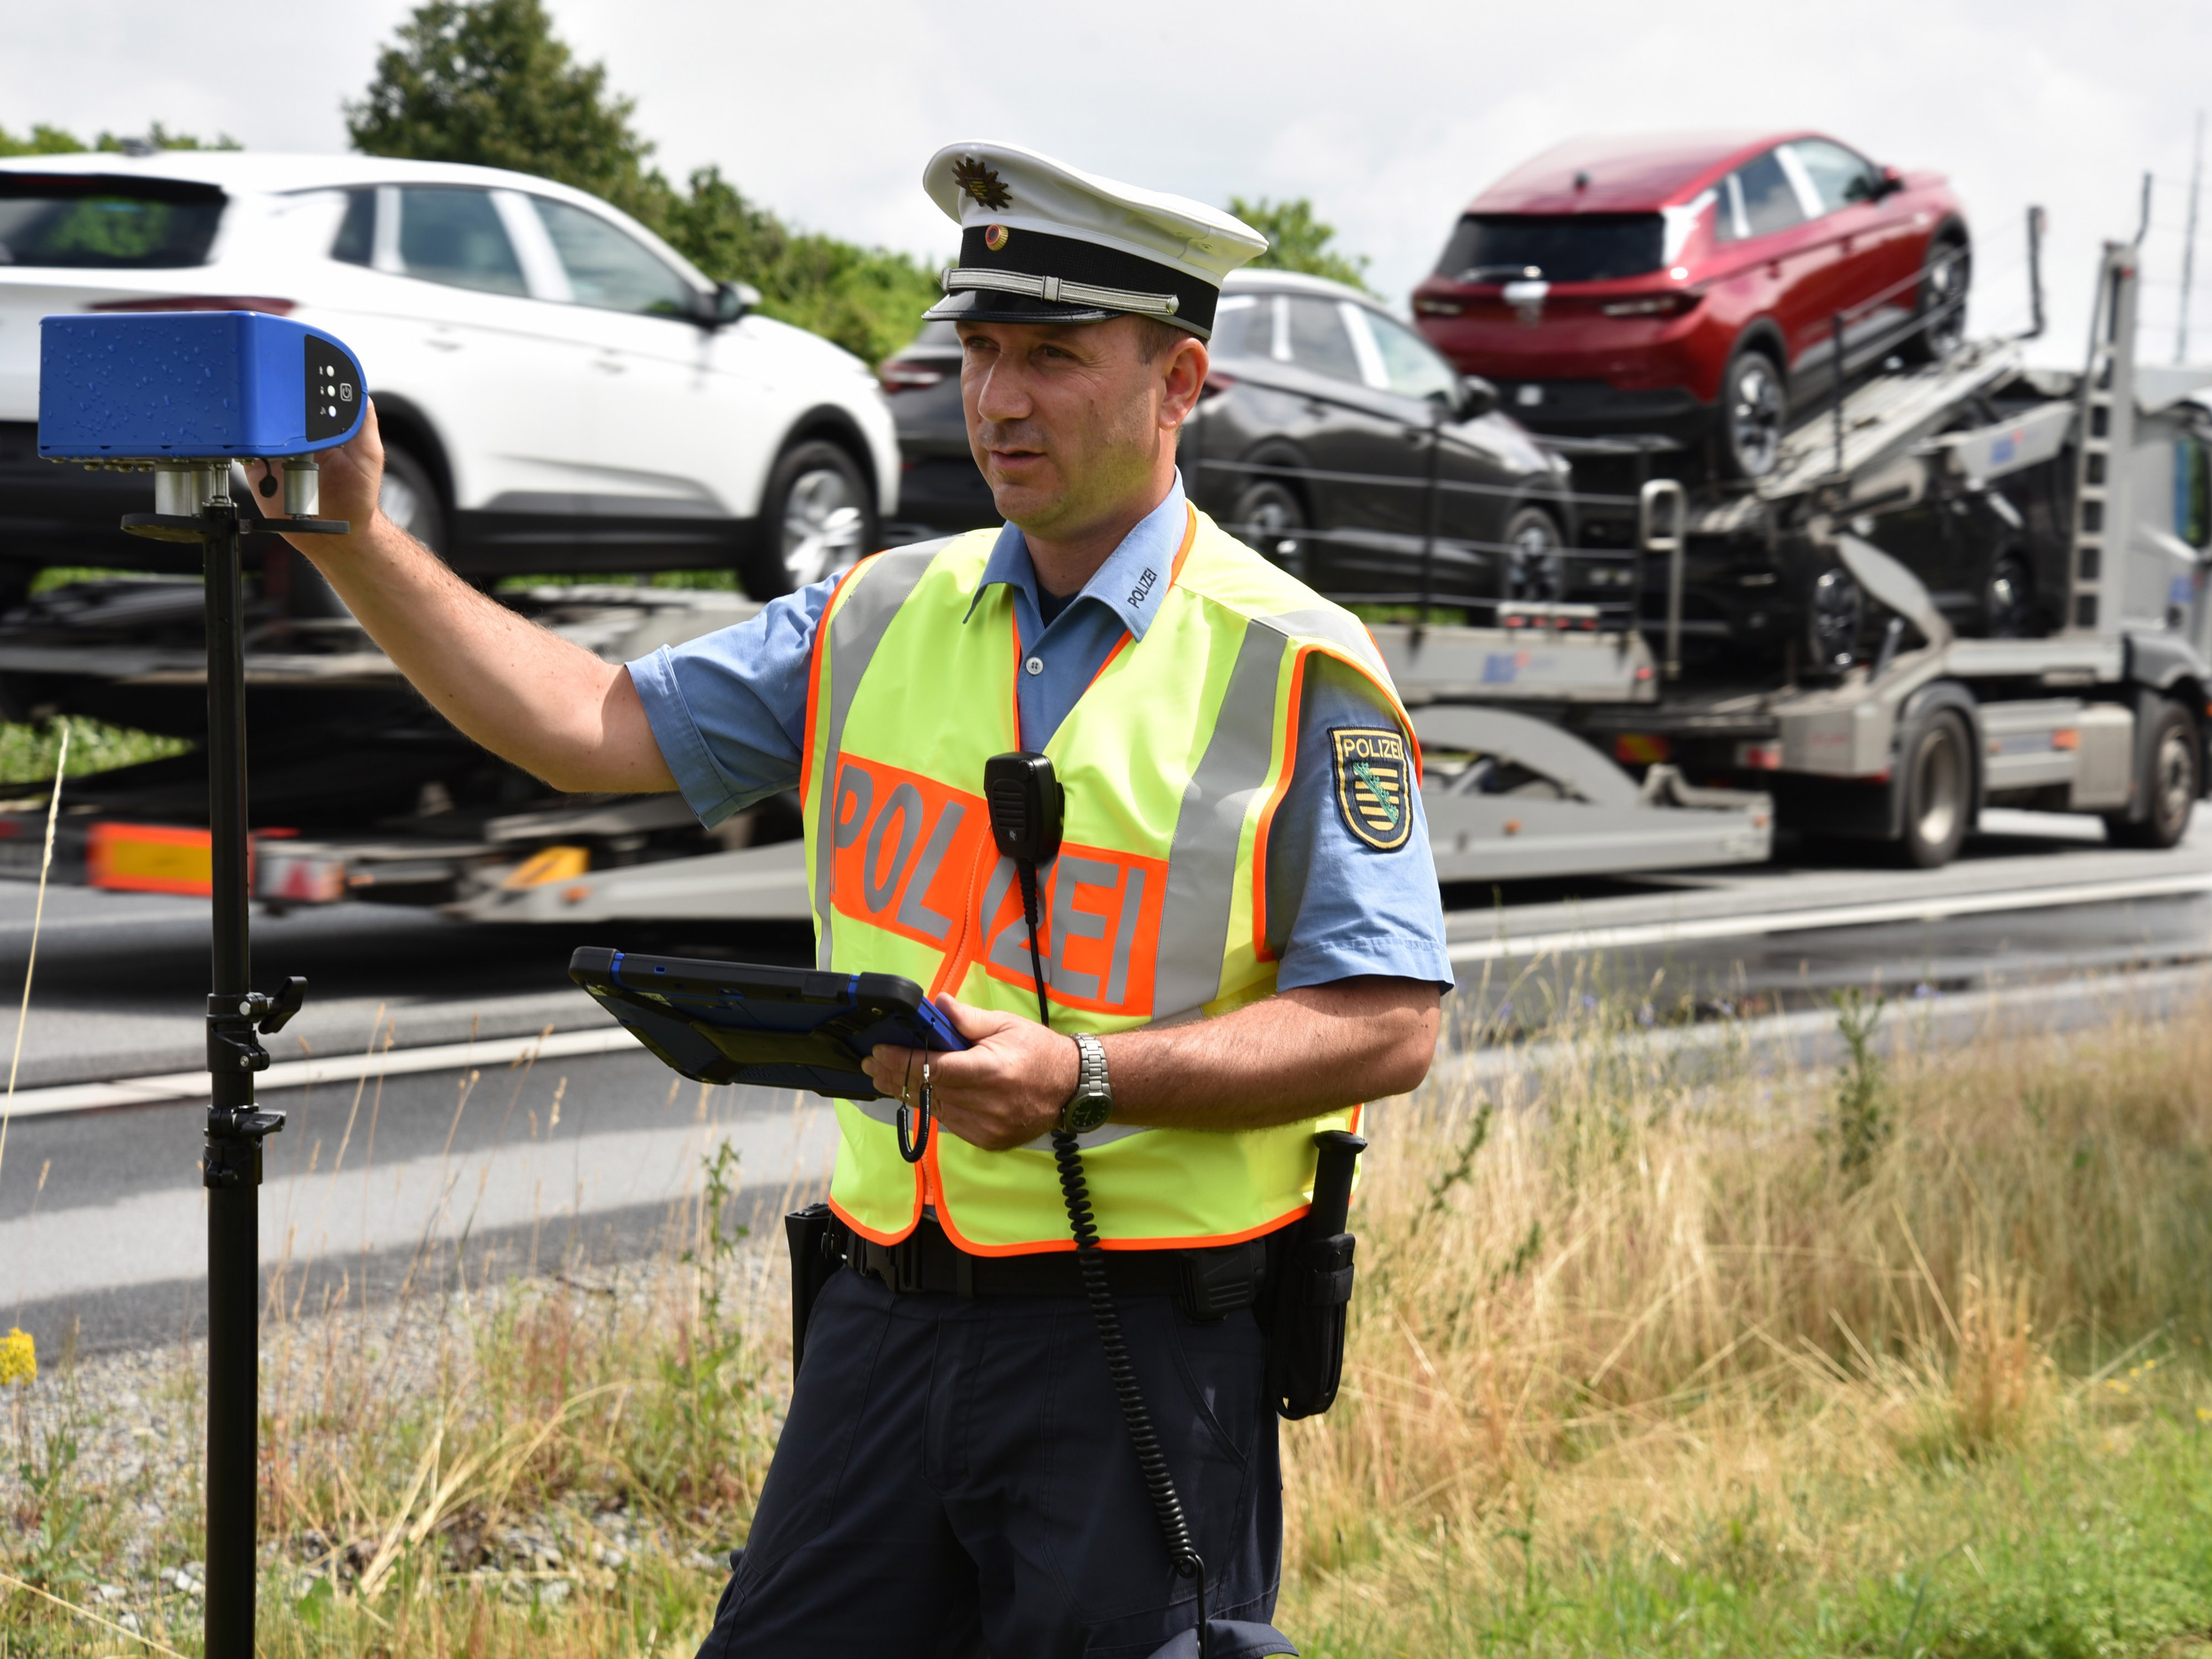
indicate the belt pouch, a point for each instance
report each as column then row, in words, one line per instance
column 1313, row 1289
column 811, row 1234
column 1305, row 1354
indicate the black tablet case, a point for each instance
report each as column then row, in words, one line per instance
column 780, row 1028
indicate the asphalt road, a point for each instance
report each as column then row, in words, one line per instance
column 435, row 1131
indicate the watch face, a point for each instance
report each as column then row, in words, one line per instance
column 1086, row 1112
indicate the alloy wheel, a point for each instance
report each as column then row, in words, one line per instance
column 1755, row 415
column 1943, row 300
column 822, row 524
column 401, row 503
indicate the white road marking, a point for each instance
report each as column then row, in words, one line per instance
column 151, row 1236
column 335, row 1068
column 1933, row 906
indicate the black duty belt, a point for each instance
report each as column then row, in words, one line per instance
column 1205, row 1284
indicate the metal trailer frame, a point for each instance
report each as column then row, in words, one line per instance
column 1548, row 734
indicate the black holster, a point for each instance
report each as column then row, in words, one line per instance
column 814, row 1235
column 1312, row 1288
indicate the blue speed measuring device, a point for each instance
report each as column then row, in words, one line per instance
column 147, row 387
column 188, row 396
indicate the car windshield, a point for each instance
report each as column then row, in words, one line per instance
column 1579, row 247
column 105, row 224
column 1411, row 367
column 609, row 269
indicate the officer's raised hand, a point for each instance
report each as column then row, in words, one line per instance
column 352, row 477
column 1005, row 1091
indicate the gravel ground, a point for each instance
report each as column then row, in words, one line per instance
column 125, row 1427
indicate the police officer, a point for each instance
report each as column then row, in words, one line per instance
column 1241, row 936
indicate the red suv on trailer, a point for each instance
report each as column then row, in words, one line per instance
column 1689, row 284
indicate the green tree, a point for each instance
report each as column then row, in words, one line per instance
column 488, row 82
column 44, row 139
column 1298, row 241
column 869, row 300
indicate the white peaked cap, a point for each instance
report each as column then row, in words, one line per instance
column 1032, row 227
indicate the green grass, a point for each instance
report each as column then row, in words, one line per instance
column 724, row 581
column 2095, row 1543
column 27, row 751
column 1648, row 1360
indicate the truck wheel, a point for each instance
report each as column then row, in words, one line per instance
column 1835, row 611
column 817, row 518
column 1536, row 569
column 1753, row 405
column 2173, row 786
column 2008, row 606
column 1937, row 777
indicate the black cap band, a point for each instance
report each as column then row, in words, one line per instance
column 1039, row 253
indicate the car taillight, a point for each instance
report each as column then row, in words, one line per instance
column 1216, row 384
column 1424, row 307
column 898, row 376
column 204, row 302
column 1651, row 305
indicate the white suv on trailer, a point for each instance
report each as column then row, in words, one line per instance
column 558, row 389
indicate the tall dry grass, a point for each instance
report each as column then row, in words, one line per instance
column 1647, row 1354
column 1622, row 1296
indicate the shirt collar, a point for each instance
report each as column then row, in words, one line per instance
column 1132, row 582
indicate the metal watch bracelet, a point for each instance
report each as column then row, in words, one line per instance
column 1092, row 1103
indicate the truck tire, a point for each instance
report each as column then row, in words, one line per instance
column 1935, row 776
column 1536, row 563
column 2170, row 790
column 1835, row 614
column 817, row 518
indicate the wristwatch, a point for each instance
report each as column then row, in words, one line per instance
column 1092, row 1103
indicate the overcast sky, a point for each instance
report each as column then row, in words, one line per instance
column 1387, row 116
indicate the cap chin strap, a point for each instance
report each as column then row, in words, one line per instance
column 1055, row 291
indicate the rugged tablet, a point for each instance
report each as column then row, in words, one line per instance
column 781, row 1027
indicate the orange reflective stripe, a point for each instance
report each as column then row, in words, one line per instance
column 1259, row 949
column 1190, row 540
column 868, row 1232
column 1055, row 1246
column 1120, row 646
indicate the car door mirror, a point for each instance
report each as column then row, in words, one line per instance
column 1888, row 184
column 1477, row 398
column 727, row 303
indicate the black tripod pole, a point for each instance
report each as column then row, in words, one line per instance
column 234, row 1129
column 236, row 1014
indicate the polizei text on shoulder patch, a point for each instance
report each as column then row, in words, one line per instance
column 1372, row 778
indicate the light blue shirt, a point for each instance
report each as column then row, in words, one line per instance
column 729, row 712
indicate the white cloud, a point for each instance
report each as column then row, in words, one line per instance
column 1389, row 117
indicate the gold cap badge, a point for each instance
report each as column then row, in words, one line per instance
column 994, row 237
column 980, row 182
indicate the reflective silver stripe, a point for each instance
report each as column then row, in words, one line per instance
column 1337, row 627
column 1053, row 289
column 1202, row 858
column 855, row 631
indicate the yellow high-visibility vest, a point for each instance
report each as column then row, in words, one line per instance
column 1174, row 761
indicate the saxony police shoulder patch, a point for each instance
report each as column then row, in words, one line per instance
column 1371, row 782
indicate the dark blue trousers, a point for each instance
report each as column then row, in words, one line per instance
column 955, row 1479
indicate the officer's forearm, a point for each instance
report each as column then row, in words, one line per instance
column 1286, row 1057
column 528, row 696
